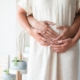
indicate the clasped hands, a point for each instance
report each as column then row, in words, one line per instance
column 48, row 37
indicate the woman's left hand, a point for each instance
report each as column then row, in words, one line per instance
column 63, row 45
column 66, row 32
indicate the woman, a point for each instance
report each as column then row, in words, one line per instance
column 45, row 63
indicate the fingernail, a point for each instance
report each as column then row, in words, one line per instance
column 59, row 41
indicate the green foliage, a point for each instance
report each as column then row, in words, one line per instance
column 16, row 60
column 6, row 71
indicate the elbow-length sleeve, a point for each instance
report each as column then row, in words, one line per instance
column 78, row 6
column 26, row 5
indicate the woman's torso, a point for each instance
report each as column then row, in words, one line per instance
column 61, row 12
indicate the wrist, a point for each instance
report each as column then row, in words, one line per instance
column 35, row 24
column 28, row 29
column 73, row 41
column 72, row 32
column 32, row 21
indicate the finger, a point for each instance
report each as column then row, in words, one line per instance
column 61, row 52
column 54, row 43
column 49, row 23
column 60, row 36
column 64, row 41
column 43, row 34
column 52, row 34
column 43, row 39
column 64, row 37
column 61, row 41
column 39, row 31
column 69, row 39
column 46, row 40
column 40, row 37
column 60, row 27
column 52, row 31
column 56, row 50
column 50, row 28
column 56, row 46
column 48, row 35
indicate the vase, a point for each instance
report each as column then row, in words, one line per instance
column 8, row 76
column 20, row 66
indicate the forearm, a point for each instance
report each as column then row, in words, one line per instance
column 77, row 36
column 75, row 26
column 32, row 21
column 22, row 19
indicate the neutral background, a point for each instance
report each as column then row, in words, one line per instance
column 8, row 26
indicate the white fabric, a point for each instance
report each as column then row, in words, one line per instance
column 26, row 5
column 78, row 5
column 45, row 64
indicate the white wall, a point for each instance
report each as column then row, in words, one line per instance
column 7, row 26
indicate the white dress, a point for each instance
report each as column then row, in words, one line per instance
column 45, row 64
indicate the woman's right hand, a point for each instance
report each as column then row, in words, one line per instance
column 44, row 29
column 39, row 38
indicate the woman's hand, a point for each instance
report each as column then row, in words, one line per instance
column 63, row 42
column 43, row 27
column 40, row 39
column 65, row 32
column 63, row 45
